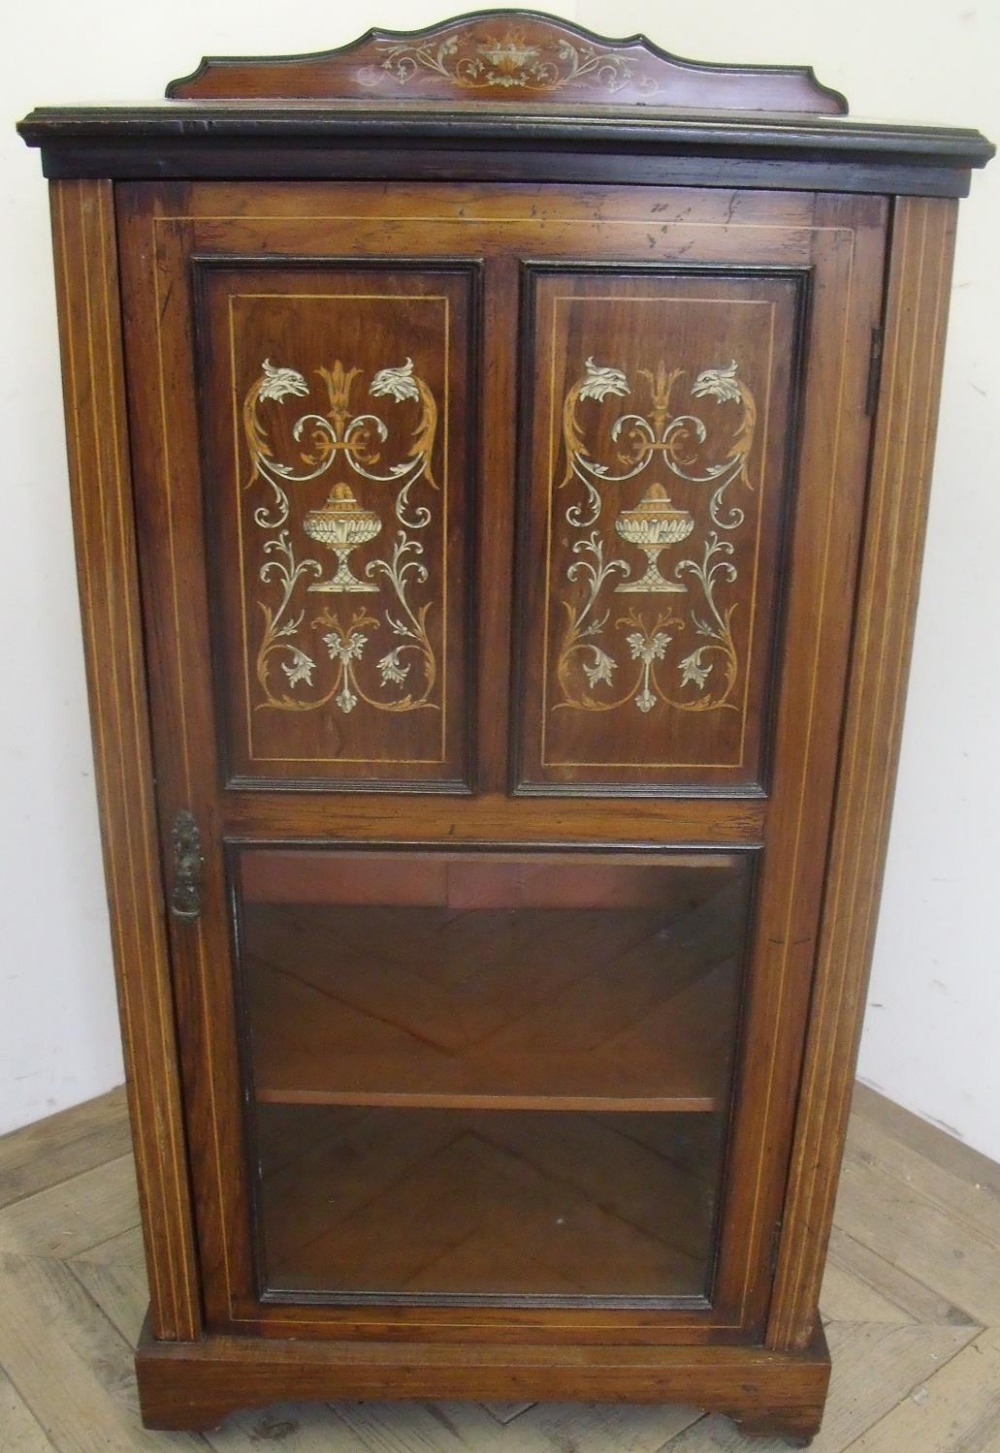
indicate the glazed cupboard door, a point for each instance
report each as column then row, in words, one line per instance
column 489, row 1075
column 498, row 551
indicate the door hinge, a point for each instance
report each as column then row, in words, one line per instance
column 874, row 371
column 772, row 1255
column 185, row 896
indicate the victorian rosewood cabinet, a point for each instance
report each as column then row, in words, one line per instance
column 498, row 460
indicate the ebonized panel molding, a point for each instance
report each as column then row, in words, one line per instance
column 187, row 139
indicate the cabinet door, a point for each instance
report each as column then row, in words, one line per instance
column 498, row 549
column 489, row 1075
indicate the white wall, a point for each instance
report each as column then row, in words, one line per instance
column 935, row 1001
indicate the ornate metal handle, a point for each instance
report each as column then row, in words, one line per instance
column 185, row 900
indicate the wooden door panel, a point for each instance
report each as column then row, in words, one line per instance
column 229, row 356
column 336, row 405
column 657, row 424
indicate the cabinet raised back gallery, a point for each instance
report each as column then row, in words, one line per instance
column 499, row 459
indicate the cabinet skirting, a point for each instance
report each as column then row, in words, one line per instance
column 194, row 1385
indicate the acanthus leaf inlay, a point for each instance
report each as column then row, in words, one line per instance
column 355, row 441
column 685, row 445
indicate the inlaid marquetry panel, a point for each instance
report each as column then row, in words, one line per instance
column 657, row 454
column 511, row 59
column 336, row 417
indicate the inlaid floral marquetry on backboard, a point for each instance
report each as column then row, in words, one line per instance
column 498, row 56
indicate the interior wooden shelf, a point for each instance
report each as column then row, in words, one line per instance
column 671, row 1059
column 585, row 1009
column 492, row 1100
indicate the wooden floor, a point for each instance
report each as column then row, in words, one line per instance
column 911, row 1301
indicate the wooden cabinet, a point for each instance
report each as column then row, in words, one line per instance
column 499, row 496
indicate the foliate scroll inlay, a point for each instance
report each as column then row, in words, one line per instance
column 673, row 646
column 507, row 59
column 504, row 55
column 381, row 652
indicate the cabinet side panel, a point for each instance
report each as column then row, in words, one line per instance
column 89, row 322
column 920, row 271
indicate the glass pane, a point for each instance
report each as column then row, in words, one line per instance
column 489, row 1075
column 454, row 1201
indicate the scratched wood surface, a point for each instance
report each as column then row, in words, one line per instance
column 911, row 1302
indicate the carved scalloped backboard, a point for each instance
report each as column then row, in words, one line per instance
column 518, row 57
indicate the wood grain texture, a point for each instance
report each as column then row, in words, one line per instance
column 194, row 1385
column 22, row 1433
column 502, row 1204
column 79, row 1385
column 76, row 1214
column 482, row 1205
column 921, row 1379
column 114, row 1275
column 959, row 1410
column 920, row 270
column 339, row 404
column 63, row 1145
column 655, row 473
column 828, row 523
column 944, row 1153
column 532, row 1428
column 501, row 820
column 914, row 1231
column 87, row 283
column 979, row 1213
column 876, row 1368
column 557, row 1008
column 492, row 56
column 875, row 1288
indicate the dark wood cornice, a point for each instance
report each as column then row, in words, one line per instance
column 503, row 96
column 234, row 140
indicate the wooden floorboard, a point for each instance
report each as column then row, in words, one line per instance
column 62, row 1146
column 921, row 1237
column 69, row 1365
column 911, row 1300
column 858, row 1280
column 957, row 1410
column 961, row 1161
column 77, row 1213
column 20, row 1430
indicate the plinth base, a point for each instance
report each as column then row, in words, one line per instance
column 195, row 1385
